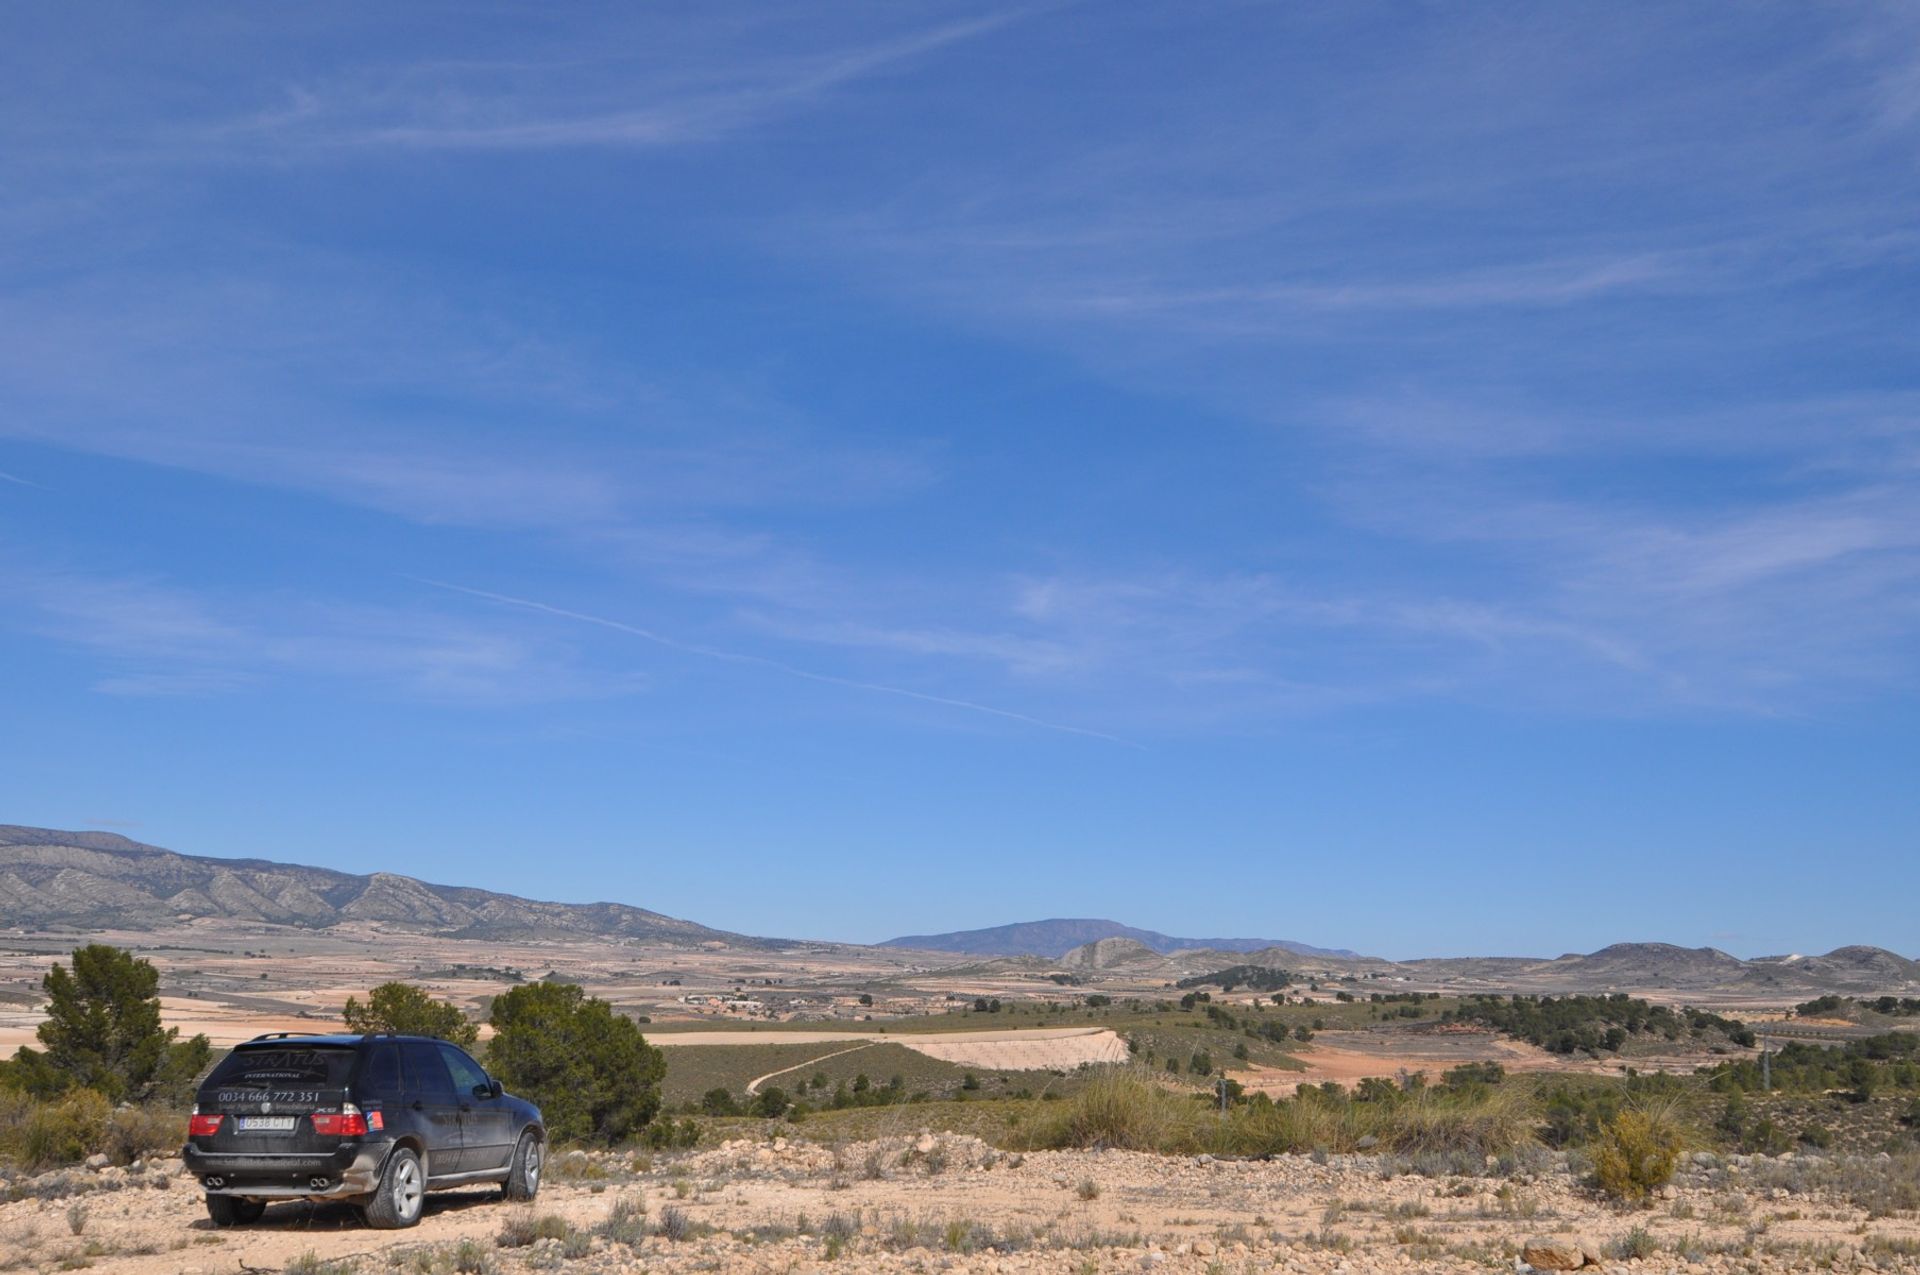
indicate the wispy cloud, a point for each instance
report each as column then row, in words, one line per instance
column 154, row 638
column 759, row 661
column 455, row 106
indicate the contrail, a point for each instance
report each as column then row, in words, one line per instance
column 12, row 478
column 737, row 657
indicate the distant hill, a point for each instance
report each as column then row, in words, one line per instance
column 1057, row 937
column 97, row 880
column 1855, row 970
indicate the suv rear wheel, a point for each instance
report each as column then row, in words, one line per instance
column 402, row 1191
column 232, row 1210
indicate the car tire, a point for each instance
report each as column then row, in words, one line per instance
column 233, row 1210
column 401, row 1196
column 523, row 1171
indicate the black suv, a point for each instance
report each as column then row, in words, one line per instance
column 376, row 1120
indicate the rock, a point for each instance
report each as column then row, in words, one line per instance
column 96, row 1162
column 925, row 1144
column 1669, row 1192
column 1203, row 1248
column 1706, row 1159
column 1552, row 1255
column 574, row 1162
column 1368, row 1143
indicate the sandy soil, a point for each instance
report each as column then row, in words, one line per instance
column 923, row 1203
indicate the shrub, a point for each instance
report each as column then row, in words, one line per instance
column 135, row 1133
column 674, row 1224
column 626, row 1222
column 470, row 1258
column 1637, row 1150
column 45, row 1135
column 404, row 1008
column 1635, row 1245
column 589, row 1069
column 1126, row 1111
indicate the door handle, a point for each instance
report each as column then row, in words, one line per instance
column 418, row 1105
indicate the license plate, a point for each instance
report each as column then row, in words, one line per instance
column 264, row 1124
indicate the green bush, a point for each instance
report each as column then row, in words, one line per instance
column 404, row 1008
column 589, row 1068
column 719, row 1102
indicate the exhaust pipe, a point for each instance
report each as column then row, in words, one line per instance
column 214, row 1181
column 319, row 1183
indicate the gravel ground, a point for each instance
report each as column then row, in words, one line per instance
column 942, row 1203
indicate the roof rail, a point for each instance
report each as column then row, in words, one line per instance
column 278, row 1036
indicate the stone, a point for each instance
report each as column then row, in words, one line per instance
column 1552, row 1255
column 1367, row 1143
column 96, row 1162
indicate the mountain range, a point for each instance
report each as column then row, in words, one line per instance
column 99, row 880
column 1055, row 938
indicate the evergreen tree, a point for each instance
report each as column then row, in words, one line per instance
column 103, row 1033
column 590, row 1070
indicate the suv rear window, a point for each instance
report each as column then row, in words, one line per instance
column 326, row 1067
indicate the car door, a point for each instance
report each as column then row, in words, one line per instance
column 434, row 1106
column 486, row 1122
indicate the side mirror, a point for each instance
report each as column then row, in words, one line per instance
column 489, row 1089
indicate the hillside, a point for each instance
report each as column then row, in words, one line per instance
column 1666, row 967
column 97, row 879
column 1055, row 938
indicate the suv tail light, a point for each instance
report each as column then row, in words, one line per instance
column 345, row 1123
column 199, row 1126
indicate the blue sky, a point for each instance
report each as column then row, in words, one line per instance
column 1412, row 478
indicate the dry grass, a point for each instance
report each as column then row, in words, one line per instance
column 1129, row 1111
